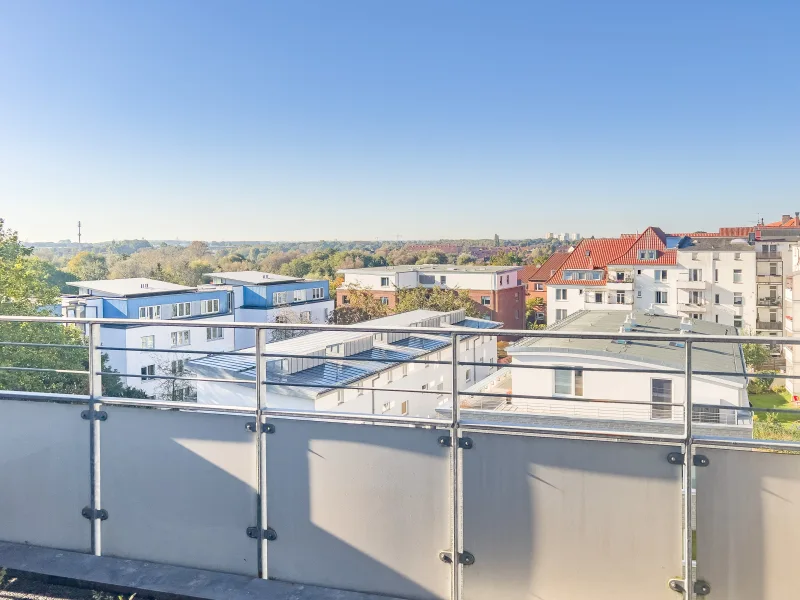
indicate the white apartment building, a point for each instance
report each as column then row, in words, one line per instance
column 376, row 366
column 735, row 281
column 556, row 388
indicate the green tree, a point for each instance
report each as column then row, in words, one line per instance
column 361, row 306
column 88, row 266
column 502, row 259
column 436, row 298
column 755, row 356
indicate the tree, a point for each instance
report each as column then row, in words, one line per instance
column 287, row 315
column 88, row 266
column 505, row 259
column 755, row 356
column 361, row 305
column 436, row 298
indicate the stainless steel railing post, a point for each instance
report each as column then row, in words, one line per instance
column 454, row 472
column 95, row 393
column 261, row 437
column 687, row 478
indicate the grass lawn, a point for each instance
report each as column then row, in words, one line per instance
column 775, row 400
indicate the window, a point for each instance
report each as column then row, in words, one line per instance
column 647, row 254
column 737, row 299
column 404, row 371
column 384, row 282
column 282, row 298
column 345, row 299
column 181, row 309
column 695, row 274
column 177, row 367
column 508, row 277
column 384, row 300
column 148, row 341
column 716, row 318
column 339, row 397
column 661, row 297
column 716, row 298
column 539, row 287
column 737, row 276
column 442, row 279
column 694, row 255
column 317, row 293
column 705, row 414
column 661, row 275
column 598, row 297
column 213, row 333
column 697, row 316
column 299, row 296
column 387, row 406
column 486, row 300
column 305, row 316
column 468, row 374
column 561, row 313
column 661, row 393
column 404, row 407
column 716, row 275
column 150, row 312
column 148, row 370
column 561, row 293
column 208, row 307
column 737, row 256
column 568, row 382
column 638, row 293
column 773, row 269
column 737, row 322
column 180, row 338
column 620, row 297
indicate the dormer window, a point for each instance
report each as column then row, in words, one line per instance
column 648, row 254
column 588, row 253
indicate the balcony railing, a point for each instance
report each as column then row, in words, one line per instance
column 770, row 301
column 769, row 325
column 451, row 507
column 768, row 255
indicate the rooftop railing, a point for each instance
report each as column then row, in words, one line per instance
column 402, row 505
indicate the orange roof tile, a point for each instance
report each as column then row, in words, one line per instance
column 735, row 231
column 651, row 239
column 591, row 254
column 790, row 223
column 550, row 267
column 526, row 272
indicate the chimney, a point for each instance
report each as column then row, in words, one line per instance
column 785, row 218
column 797, row 219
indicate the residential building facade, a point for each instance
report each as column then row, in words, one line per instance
column 497, row 291
column 375, row 367
column 577, row 371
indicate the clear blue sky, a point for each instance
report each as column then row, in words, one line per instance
column 349, row 119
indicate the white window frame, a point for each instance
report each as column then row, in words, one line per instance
column 181, row 310
column 150, row 313
column 299, row 296
column 385, row 300
column 737, row 276
column 181, row 338
column 148, row 341
column 317, row 293
column 660, row 274
column 209, row 307
column 384, row 282
column 661, row 297
column 576, row 382
column 147, row 371
column 280, row 298
column 561, row 294
column 561, row 313
column 214, row 333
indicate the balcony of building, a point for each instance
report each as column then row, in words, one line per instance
column 620, row 280
column 693, row 306
column 488, row 497
column 769, row 325
column 686, row 284
column 768, row 255
column 771, row 301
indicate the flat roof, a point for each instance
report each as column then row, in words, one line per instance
column 718, row 244
column 436, row 268
column 333, row 371
column 253, row 277
column 134, row 286
column 705, row 356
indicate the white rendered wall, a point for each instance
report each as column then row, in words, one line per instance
column 573, row 303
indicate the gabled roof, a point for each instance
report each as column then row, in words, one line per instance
column 591, row 254
column 792, row 222
column 651, row 239
column 550, row 267
column 526, row 272
column 735, row 231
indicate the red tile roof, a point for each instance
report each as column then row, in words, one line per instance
column 526, row 272
column 550, row 267
column 591, row 254
column 652, row 239
column 789, row 223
